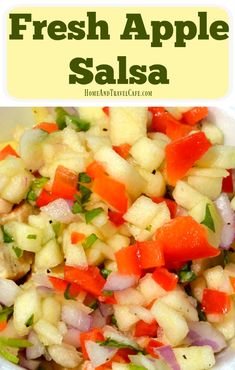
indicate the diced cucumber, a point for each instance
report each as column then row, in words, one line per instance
column 49, row 256
column 26, row 237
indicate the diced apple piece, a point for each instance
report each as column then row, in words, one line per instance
column 49, row 256
column 198, row 212
column 180, row 302
column 217, row 279
column 127, row 124
column 125, row 319
column 198, row 287
column 213, row 133
column 94, row 115
column 150, row 289
column 209, row 186
column 142, row 212
column 94, row 142
column 121, row 170
column 76, row 256
column 27, row 305
column 186, row 196
column 195, row 358
column 119, row 366
column 41, row 221
column 118, row 241
column 227, row 324
column 129, row 296
column 171, row 321
column 51, row 310
column 147, row 153
column 17, row 187
column 27, row 238
column 98, row 253
column 31, row 148
column 47, row 333
column 208, row 172
column 65, row 355
column 155, row 183
column 219, row 156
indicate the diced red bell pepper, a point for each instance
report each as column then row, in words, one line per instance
column 116, row 218
column 94, row 335
column 161, row 118
column 107, row 299
column 47, row 126
column 232, row 280
column 112, row 191
column 106, row 110
column 7, row 150
column 77, row 237
column 123, row 150
column 45, row 197
column 65, row 183
column 215, row 302
column 176, row 130
column 127, row 260
column 151, row 345
column 227, row 184
column 181, row 155
column 60, row 285
column 171, row 204
column 143, row 329
column 89, row 279
column 95, row 169
column 3, row 325
column 167, row 280
column 195, row 115
column 150, row 254
column 183, row 239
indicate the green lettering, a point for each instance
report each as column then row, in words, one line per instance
column 203, row 35
column 16, row 25
column 138, row 76
column 158, row 75
column 134, row 25
column 105, row 75
column 56, row 30
column 184, row 31
column 38, row 27
column 161, row 31
column 86, row 75
column 93, row 24
column 219, row 30
column 122, row 70
column 76, row 32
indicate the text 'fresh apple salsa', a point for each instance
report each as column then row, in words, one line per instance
column 117, row 240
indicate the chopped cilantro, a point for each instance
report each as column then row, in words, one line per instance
column 40, row 182
column 6, row 313
column 89, row 241
column 77, row 208
column 113, row 343
column 9, row 356
column 31, row 196
column 113, row 320
column 7, row 238
column 32, row 236
column 56, row 228
column 186, row 275
column 14, row 342
column 105, row 272
column 77, row 123
column 29, row 322
column 85, row 193
column 91, row 214
column 136, row 367
column 208, row 220
column 61, row 117
column 94, row 305
column 84, row 177
column 67, row 294
column 18, row 251
column 108, row 293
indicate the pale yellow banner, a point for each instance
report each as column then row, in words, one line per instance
column 45, row 68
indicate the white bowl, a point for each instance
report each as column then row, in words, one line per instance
column 223, row 118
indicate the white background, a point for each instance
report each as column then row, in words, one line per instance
column 7, row 100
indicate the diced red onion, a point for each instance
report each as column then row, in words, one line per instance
column 98, row 321
column 37, row 349
column 227, row 214
column 41, row 280
column 72, row 337
column 29, row 364
column 116, row 281
column 167, row 354
column 203, row 333
column 43, row 290
column 106, row 309
column 147, row 362
column 8, row 291
column 97, row 354
column 59, row 210
column 76, row 317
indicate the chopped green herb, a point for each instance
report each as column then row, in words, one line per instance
column 84, row 177
column 90, row 215
column 136, row 367
column 15, row 342
column 31, row 196
column 8, row 356
column 208, row 220
column 18, row 251
column 105, row 272
column 77, row 208
column 67, row 294
column 108, row 293
column 32, row 236
column 61, row 117
column 29, row 322
column 89, row 241
column 85, row 193
column 113, row 343
column 77, row 123
column 94, row 305
column 7, row 238
column 40, row 182
column 225, row 257
column 201, row 314
column 56, row 228
column 186, row 275
column 114, row 320
column 6, row 313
